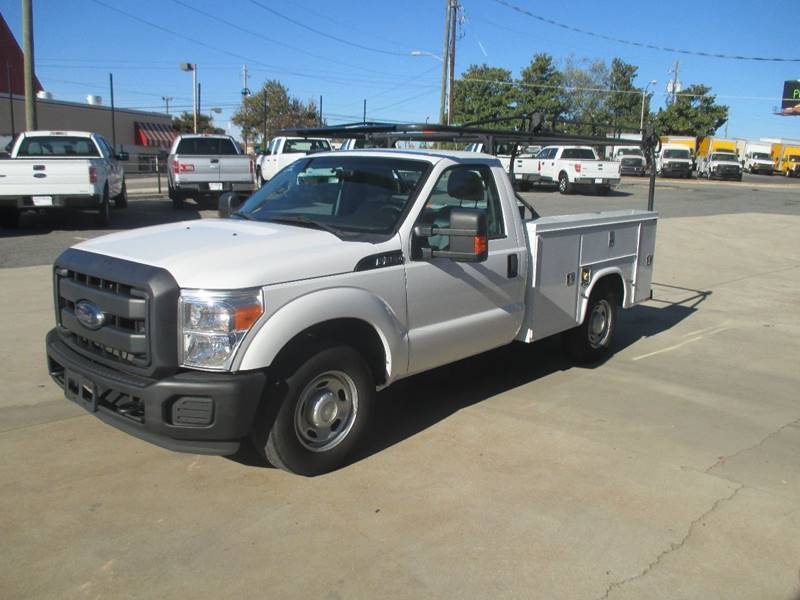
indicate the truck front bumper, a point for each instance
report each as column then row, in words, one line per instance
column 50, row 201
column 631, row 169
column 191, row 411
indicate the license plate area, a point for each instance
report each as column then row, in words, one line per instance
column 42, row 200
column 598, row 180
column 215, row 186
column 80, row 390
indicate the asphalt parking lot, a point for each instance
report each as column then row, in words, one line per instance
column 670, row 471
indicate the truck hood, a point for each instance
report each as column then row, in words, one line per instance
column 232, row 253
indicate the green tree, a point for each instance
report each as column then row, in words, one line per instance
column 282, row 111
column 184, row 123
column 541, row 89
column 624, row 103
column 695, row 112
column 482, row 92
column 587, row 105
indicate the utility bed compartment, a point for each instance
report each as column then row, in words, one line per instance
column 561, row 246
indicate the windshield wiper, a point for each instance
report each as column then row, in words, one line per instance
column 298, row 220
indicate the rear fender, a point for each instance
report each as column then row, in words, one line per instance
column 602, row 277
column 319, row 307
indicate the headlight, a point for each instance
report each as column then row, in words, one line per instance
column 213, row 325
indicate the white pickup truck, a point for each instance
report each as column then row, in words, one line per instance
column 576, row 167
column 345, row 273
column 525, row 171
column 630, row 158
column 283, row 151
column 202, row 166
column 51, row 170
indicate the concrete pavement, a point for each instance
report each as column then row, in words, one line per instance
column 670, row 471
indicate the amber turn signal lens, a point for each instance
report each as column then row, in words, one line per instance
column 246, row 316
column 480, row 244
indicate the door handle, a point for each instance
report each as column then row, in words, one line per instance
column 513, row 266
column 214, row 161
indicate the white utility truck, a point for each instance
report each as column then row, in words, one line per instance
column 52, row 170
column 755, row 157
column 577, row 167
column 674, row 160
column 202, row 166
column 719, row 165
column 283, row 151
column 347, row 272
column 630, row 158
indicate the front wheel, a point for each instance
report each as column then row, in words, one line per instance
column 104, row 212
column 590, row 342
column 326, row 405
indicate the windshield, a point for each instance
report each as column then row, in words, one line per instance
column 353, row 194
column 721, row 157
column 794, row 158
column 761, row 156
column 57, row 146
column 585, row 153
column 630, row 152
column 305, row 146
column 675, row 153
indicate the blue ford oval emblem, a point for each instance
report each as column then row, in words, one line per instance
column 89, row 315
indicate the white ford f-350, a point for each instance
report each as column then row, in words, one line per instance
column 52, row 170
column 345, row 273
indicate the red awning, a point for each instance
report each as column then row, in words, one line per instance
column 154, row 134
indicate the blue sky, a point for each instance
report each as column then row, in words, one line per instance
column 78, row 42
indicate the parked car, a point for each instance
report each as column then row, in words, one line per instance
column 283, row 151
column 577, row 167
column 203, row 166
column 52, row 170
column 630, row 158
column 674, row 160
column 719, row 165
column 329, row 282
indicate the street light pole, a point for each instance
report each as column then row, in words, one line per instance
column 442, row 118
column 644, row 95
column 193, row 68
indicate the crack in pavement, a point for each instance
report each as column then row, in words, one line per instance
column 723, row 459
column 673, row 546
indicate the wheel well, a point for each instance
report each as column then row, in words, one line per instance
column 564, row 173
column 351, row 332
column 612, row 282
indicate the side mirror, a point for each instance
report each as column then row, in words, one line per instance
column 123, row 156
column 228, row 204
column 468, row 233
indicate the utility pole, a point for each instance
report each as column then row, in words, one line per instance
column 199, row 89
column 113, row 115
column 167, row 100
column 445, row 52
column 245, row 94
column 27, row 44
column 452, row 57
column 674, row 84
column 11, row 101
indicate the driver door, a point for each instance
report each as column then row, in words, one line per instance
column 457, row 309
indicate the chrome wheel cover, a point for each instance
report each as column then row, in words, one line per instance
column 326, row 411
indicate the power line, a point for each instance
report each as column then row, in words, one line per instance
column 609, row 38
column 327, row 35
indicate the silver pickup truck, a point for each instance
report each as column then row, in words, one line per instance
column 203, row 166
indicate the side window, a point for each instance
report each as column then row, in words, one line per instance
column 463, row 187
column 106, row 149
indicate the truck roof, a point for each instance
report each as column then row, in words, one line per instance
column 221, row 136
column 43, row 133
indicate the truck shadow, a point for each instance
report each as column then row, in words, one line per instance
column 140, row 213
column 412, row 405
column 553, row 189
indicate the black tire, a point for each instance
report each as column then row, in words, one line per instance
column 9, row 218
column 177, row 199
column 564, row 186
column 591, row 341
column 121, row 199
column 104, row 212
column 334, row 376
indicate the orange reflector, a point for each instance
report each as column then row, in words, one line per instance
column 246, row 316
column 480, row 244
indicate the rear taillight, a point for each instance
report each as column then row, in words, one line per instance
column 179, row 167
column 577, row 167
column 176, row 167
column 92, row 174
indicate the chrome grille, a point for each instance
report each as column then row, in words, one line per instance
column 123, row 337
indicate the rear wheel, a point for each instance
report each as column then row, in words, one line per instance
column 121, row 199
column 9, row 218
column 326, row 405
column 564, row 186
column 591, row 341
column 177, row 198
column 104, row 212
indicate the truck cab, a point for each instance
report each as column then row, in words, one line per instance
column 631, row 160
column 674, row 160
column 719, row 165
